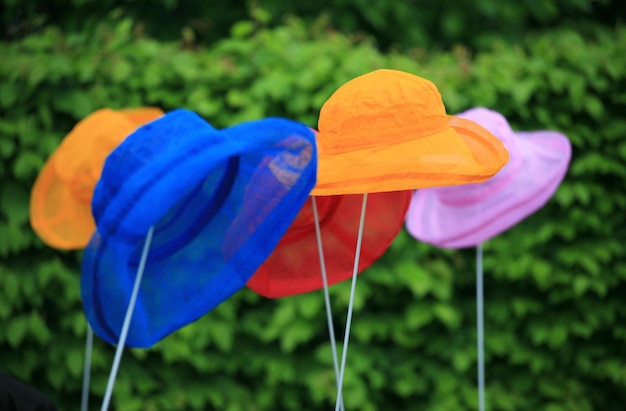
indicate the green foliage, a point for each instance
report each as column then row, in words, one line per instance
column 555, row 333
column 443, row 23
column 405, row 24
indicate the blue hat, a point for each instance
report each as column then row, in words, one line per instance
column 219, row 202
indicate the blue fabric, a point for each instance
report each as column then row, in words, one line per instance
column 219, row 202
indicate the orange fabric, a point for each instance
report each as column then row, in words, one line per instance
column 143, row 115
column 388, row 131
column 60, row 205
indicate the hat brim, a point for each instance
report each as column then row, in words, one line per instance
column 218, row 203
column 55, row 215
column 545, row 158
column 462, row 153
column 294, row 266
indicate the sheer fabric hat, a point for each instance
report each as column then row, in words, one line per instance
column 388, row 130
column 294, row 266
column 464, row 216
column 60, row 203
column 219, row 202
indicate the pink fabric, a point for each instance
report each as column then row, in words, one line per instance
column 467, row 215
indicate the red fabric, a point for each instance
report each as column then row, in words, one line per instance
column 294, row 266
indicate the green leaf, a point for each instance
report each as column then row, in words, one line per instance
column 13, row 199
column 16, row 329
column 418, row 315
column 122, row 70
column 594, row 107
column 299, row 332
column 75, row 363
column 242, row 29
column 447, row 315
column 9, row 94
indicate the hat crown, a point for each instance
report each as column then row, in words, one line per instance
column 83, row 185
column 81, row 155
column 494, row 122
column 379, row 108
column 84, row 149
column 160, row 135
column 497, row 125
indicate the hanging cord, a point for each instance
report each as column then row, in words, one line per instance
column 329, row 316
column 87, row 371
column 480, row 327
column 355, row 270
column 126, row 325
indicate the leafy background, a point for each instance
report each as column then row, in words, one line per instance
column 555, row 332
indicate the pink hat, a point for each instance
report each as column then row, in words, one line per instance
column 466, row 215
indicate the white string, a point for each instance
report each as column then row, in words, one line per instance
column 329, row 316
column 355, row 270
column 126, row 325
column 87, row 370
column 480, row 327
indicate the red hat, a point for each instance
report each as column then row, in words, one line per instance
column 294, row 266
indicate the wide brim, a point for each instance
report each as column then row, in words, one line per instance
column 294, row 266
column 56, row 216
column 219, row 203
column 544, row 158
column 462, row 153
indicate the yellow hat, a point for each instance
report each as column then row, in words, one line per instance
column 60, row 203
column 388, row 131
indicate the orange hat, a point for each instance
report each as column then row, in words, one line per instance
column 388, row 131
column 60, row 203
